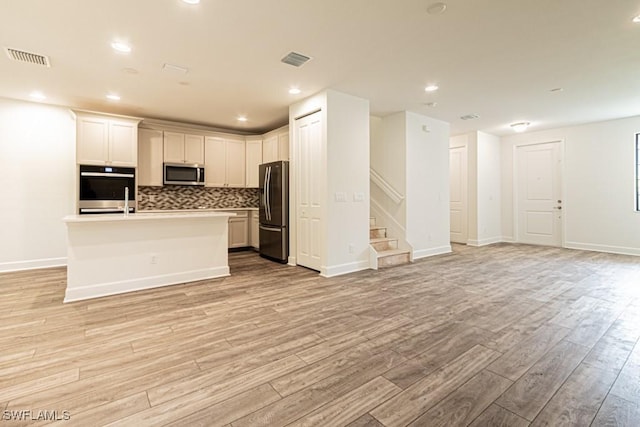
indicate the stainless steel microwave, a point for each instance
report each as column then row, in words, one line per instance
column 183, row 174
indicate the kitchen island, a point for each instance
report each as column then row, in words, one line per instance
column 112, row 254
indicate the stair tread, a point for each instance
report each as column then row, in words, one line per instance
column 390, row 252
column 376, row 227
column 382, row 239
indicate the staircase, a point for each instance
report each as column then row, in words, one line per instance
column 386, row 248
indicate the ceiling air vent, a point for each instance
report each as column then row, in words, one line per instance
column 470, row 117
column 31, row 58
column 295, row 59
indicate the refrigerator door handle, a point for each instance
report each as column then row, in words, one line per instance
column 267, row 189
column 262, row 227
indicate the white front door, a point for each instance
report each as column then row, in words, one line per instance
column 458, row 194
column 538, row 194
column 309, row 191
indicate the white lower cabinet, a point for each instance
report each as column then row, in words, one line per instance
column 239, row 230
column 254, row 224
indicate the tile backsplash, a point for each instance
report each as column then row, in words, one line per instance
column 186, row 197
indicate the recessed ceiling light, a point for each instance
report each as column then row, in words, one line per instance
column 242, row 119
column 113, row 97
column 436, row 8
column 294, row 91
column 431, row 88
column 636, row 19
column 38, row 96
column 121, row 47
column 520, row 126
column 191, row 1
column 175, row 68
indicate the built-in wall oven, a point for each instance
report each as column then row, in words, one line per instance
column 103, row 189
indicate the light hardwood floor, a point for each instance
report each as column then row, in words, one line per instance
column 508, row 335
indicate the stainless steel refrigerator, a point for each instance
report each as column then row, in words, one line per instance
column 274, row 211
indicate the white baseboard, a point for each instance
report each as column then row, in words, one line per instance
column 508, row 239
column 483, row 242
column 292, row 261
column 338, row 270
column 603, row 248
column 32, row 264
column 423, row 253
column 113, row 288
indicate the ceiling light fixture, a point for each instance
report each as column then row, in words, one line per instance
column 294, row 91
column 191, row 1
column 431, row 88
column 520, row 126
column 469, row 117
column 636, row 19
column 436, row 8
column 113, row 97
column 121, row 47
column 38, row 96
column 242, row 119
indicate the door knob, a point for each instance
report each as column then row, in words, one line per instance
column 558, row 208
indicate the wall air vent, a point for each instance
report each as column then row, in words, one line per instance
column 470, row 117
column 295, row 59
column 31, row 58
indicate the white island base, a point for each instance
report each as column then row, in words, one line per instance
column 113, row 254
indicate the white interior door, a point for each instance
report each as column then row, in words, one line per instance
column 309, row 195
column 539, row 194
column 458, row 194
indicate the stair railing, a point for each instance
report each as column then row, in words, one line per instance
column 388, row 189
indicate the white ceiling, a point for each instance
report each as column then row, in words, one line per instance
column 495, row 58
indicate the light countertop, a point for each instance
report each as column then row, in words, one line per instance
column 149, row 216
column 154, row 211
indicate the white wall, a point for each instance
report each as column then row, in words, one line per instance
column 489, row 207
column 598, row 187
column 37, row 183
column 345, row 142
column 427, row 182
column 347, row 172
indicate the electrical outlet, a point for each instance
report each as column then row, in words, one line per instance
column 154, row 259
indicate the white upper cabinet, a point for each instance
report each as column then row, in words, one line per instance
column 275, row 145
column 194, row 149
column 215, row 162
column 150, row 157
column 270, row 149
column 236, row 167
column 183, row 148
column 106, row 140
column 224, row 162
column 253, row 161
column 283, row 145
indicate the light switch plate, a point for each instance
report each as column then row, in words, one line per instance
column 341, row 196
column 358, row 196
